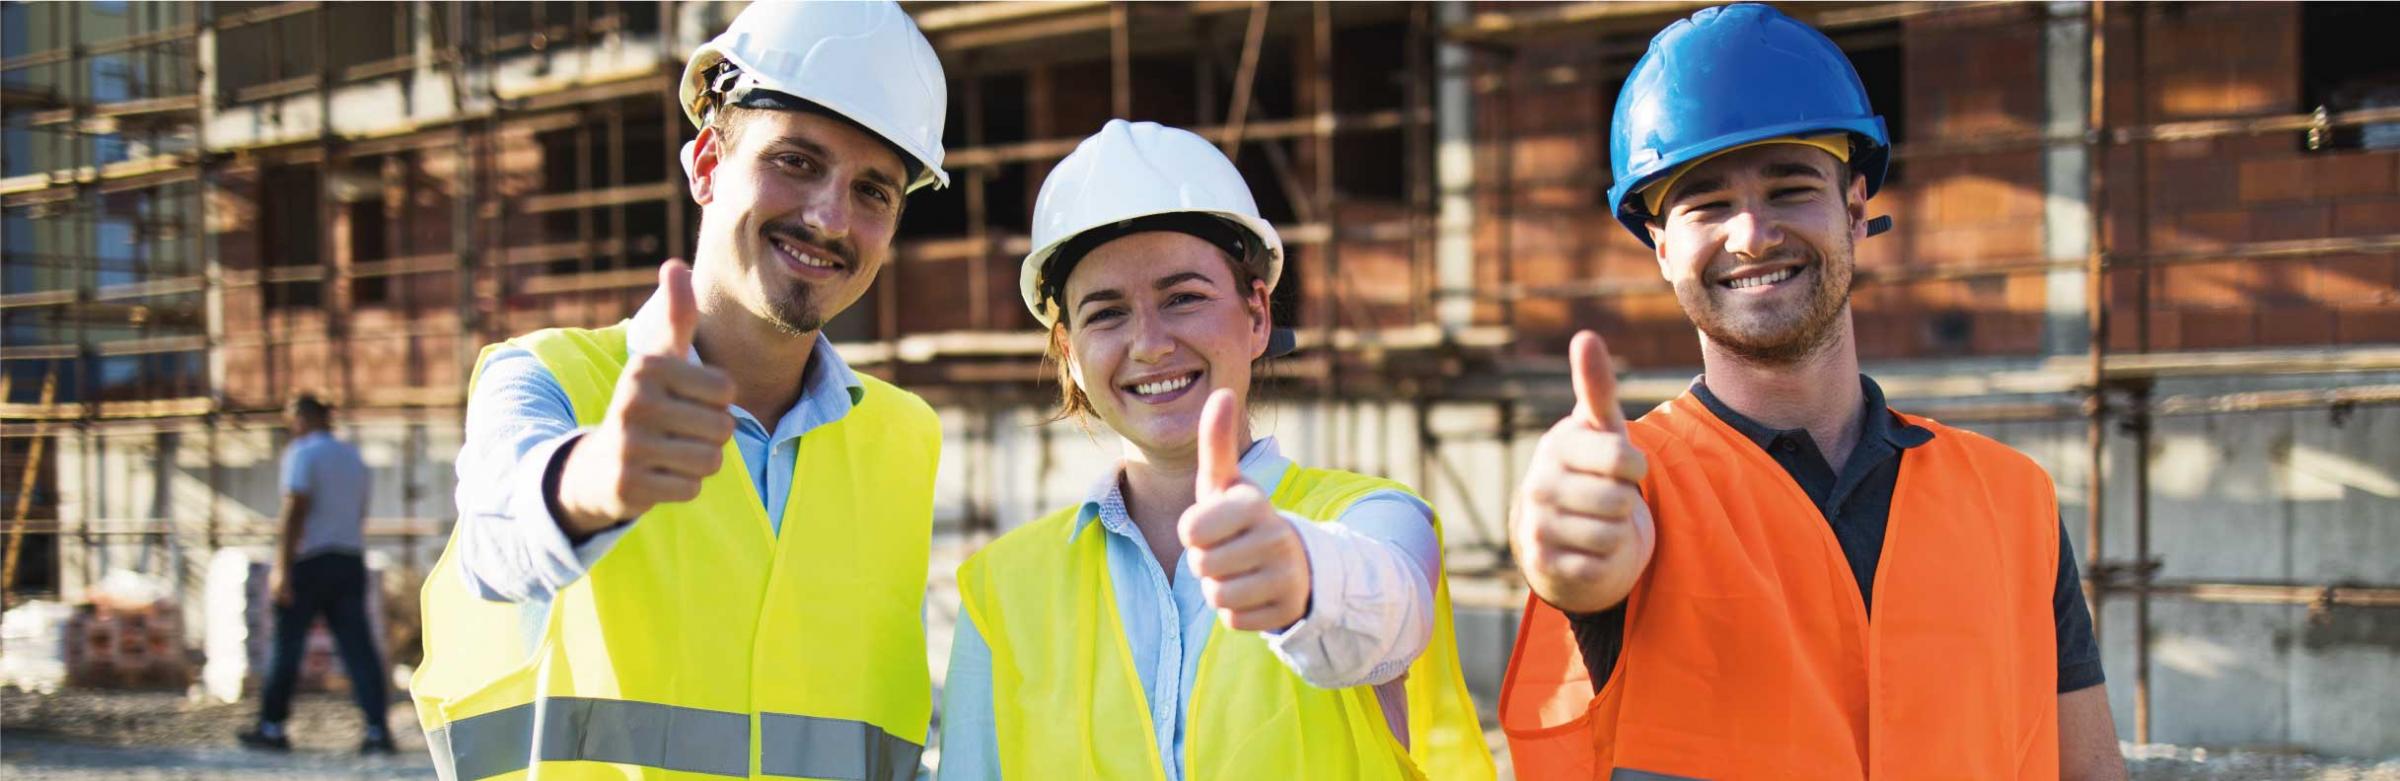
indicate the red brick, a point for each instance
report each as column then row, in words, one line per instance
column 2122, row 287
column 2295, row 326
column 2291, row 222
column 1877, row 337
column 2258, row 145
column 2193, row 231
column 2368, row 324
column 2275, row 180
column 2285, row 284
column 2218, row 284
column 2001, row 333
column 2166, row 331
column 2366, row 218
column 2194, row 184
column 2218, row 329
column 2355, row 279
column 2353, row 174
column 2027, row 293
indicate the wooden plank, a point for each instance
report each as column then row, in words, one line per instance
column 606, row 196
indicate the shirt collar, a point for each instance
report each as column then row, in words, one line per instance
column 1263, row 465
column 1877, row 423
column 826, row 369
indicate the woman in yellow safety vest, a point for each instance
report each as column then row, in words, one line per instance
column 1211, row 610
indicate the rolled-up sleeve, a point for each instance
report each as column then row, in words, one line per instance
column 519, row 425
column 1370, row 593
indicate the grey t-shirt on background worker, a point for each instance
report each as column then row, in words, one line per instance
column 330, row 473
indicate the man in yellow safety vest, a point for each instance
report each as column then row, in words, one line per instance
column 620, row 598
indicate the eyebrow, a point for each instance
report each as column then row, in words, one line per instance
column 1178, row 278
column 870, row 173
column 1695, row 185
column 1168, row 281
column 1698, row 185
column 1788, row 170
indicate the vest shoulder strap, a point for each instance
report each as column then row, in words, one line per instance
column 1322, row 494
column 585, row 361
column 1027, row 545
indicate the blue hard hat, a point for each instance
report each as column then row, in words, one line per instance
column 1729, row 76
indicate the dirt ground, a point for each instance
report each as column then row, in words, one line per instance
column 166, row 736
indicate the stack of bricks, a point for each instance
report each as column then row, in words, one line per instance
column 113, row 646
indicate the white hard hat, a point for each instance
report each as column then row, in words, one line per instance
column 1131, row 170
column 865, row 61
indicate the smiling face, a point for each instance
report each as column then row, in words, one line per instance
column 797, row 215
column 1154, row 322
column 1759, row 245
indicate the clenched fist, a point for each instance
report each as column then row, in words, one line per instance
column 1251, row 564
column 666, row 427
column 1582, row 532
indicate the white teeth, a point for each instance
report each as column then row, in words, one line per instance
column 1164, row 386
column 806, row 258
column 1769, row 279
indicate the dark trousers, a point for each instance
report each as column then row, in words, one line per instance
column 333, row 585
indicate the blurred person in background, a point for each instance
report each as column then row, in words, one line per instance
column 319, row 570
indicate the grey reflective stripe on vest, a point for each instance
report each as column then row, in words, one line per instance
column 815, row 747
column 1629, row 774
column 667, row 737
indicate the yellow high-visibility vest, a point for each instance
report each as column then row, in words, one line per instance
column 705, row 644
column 1068, row 703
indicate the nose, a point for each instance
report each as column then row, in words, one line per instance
column 1151, row 341
column 1752, row 234
column 825, row 211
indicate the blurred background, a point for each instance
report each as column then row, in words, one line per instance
column 2154, row 245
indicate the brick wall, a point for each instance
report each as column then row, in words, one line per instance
column 2208, row 61
column 1975, row 75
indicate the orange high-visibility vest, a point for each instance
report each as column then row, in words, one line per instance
column 1749, row 652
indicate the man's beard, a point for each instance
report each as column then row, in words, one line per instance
column 794, row 311
column 1782, row 336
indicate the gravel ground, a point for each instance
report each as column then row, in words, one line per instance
column 163, row 736
column 2159, row 762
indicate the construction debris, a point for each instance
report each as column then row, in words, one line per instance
column 33, row 646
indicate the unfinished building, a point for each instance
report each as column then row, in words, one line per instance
column 2155, row 246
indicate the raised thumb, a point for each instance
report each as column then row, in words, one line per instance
column 1220, row 454
column 1595, row 383
column 683, row 312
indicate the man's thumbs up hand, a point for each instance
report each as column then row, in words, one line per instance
column 1582, row 532
column 1251, row 564
column 666, row 426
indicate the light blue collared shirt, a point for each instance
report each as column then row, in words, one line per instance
column 1167, row 621
column 519, row 418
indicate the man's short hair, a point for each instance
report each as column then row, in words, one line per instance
column 309, row 407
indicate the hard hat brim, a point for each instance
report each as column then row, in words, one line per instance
column 1037, row 262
